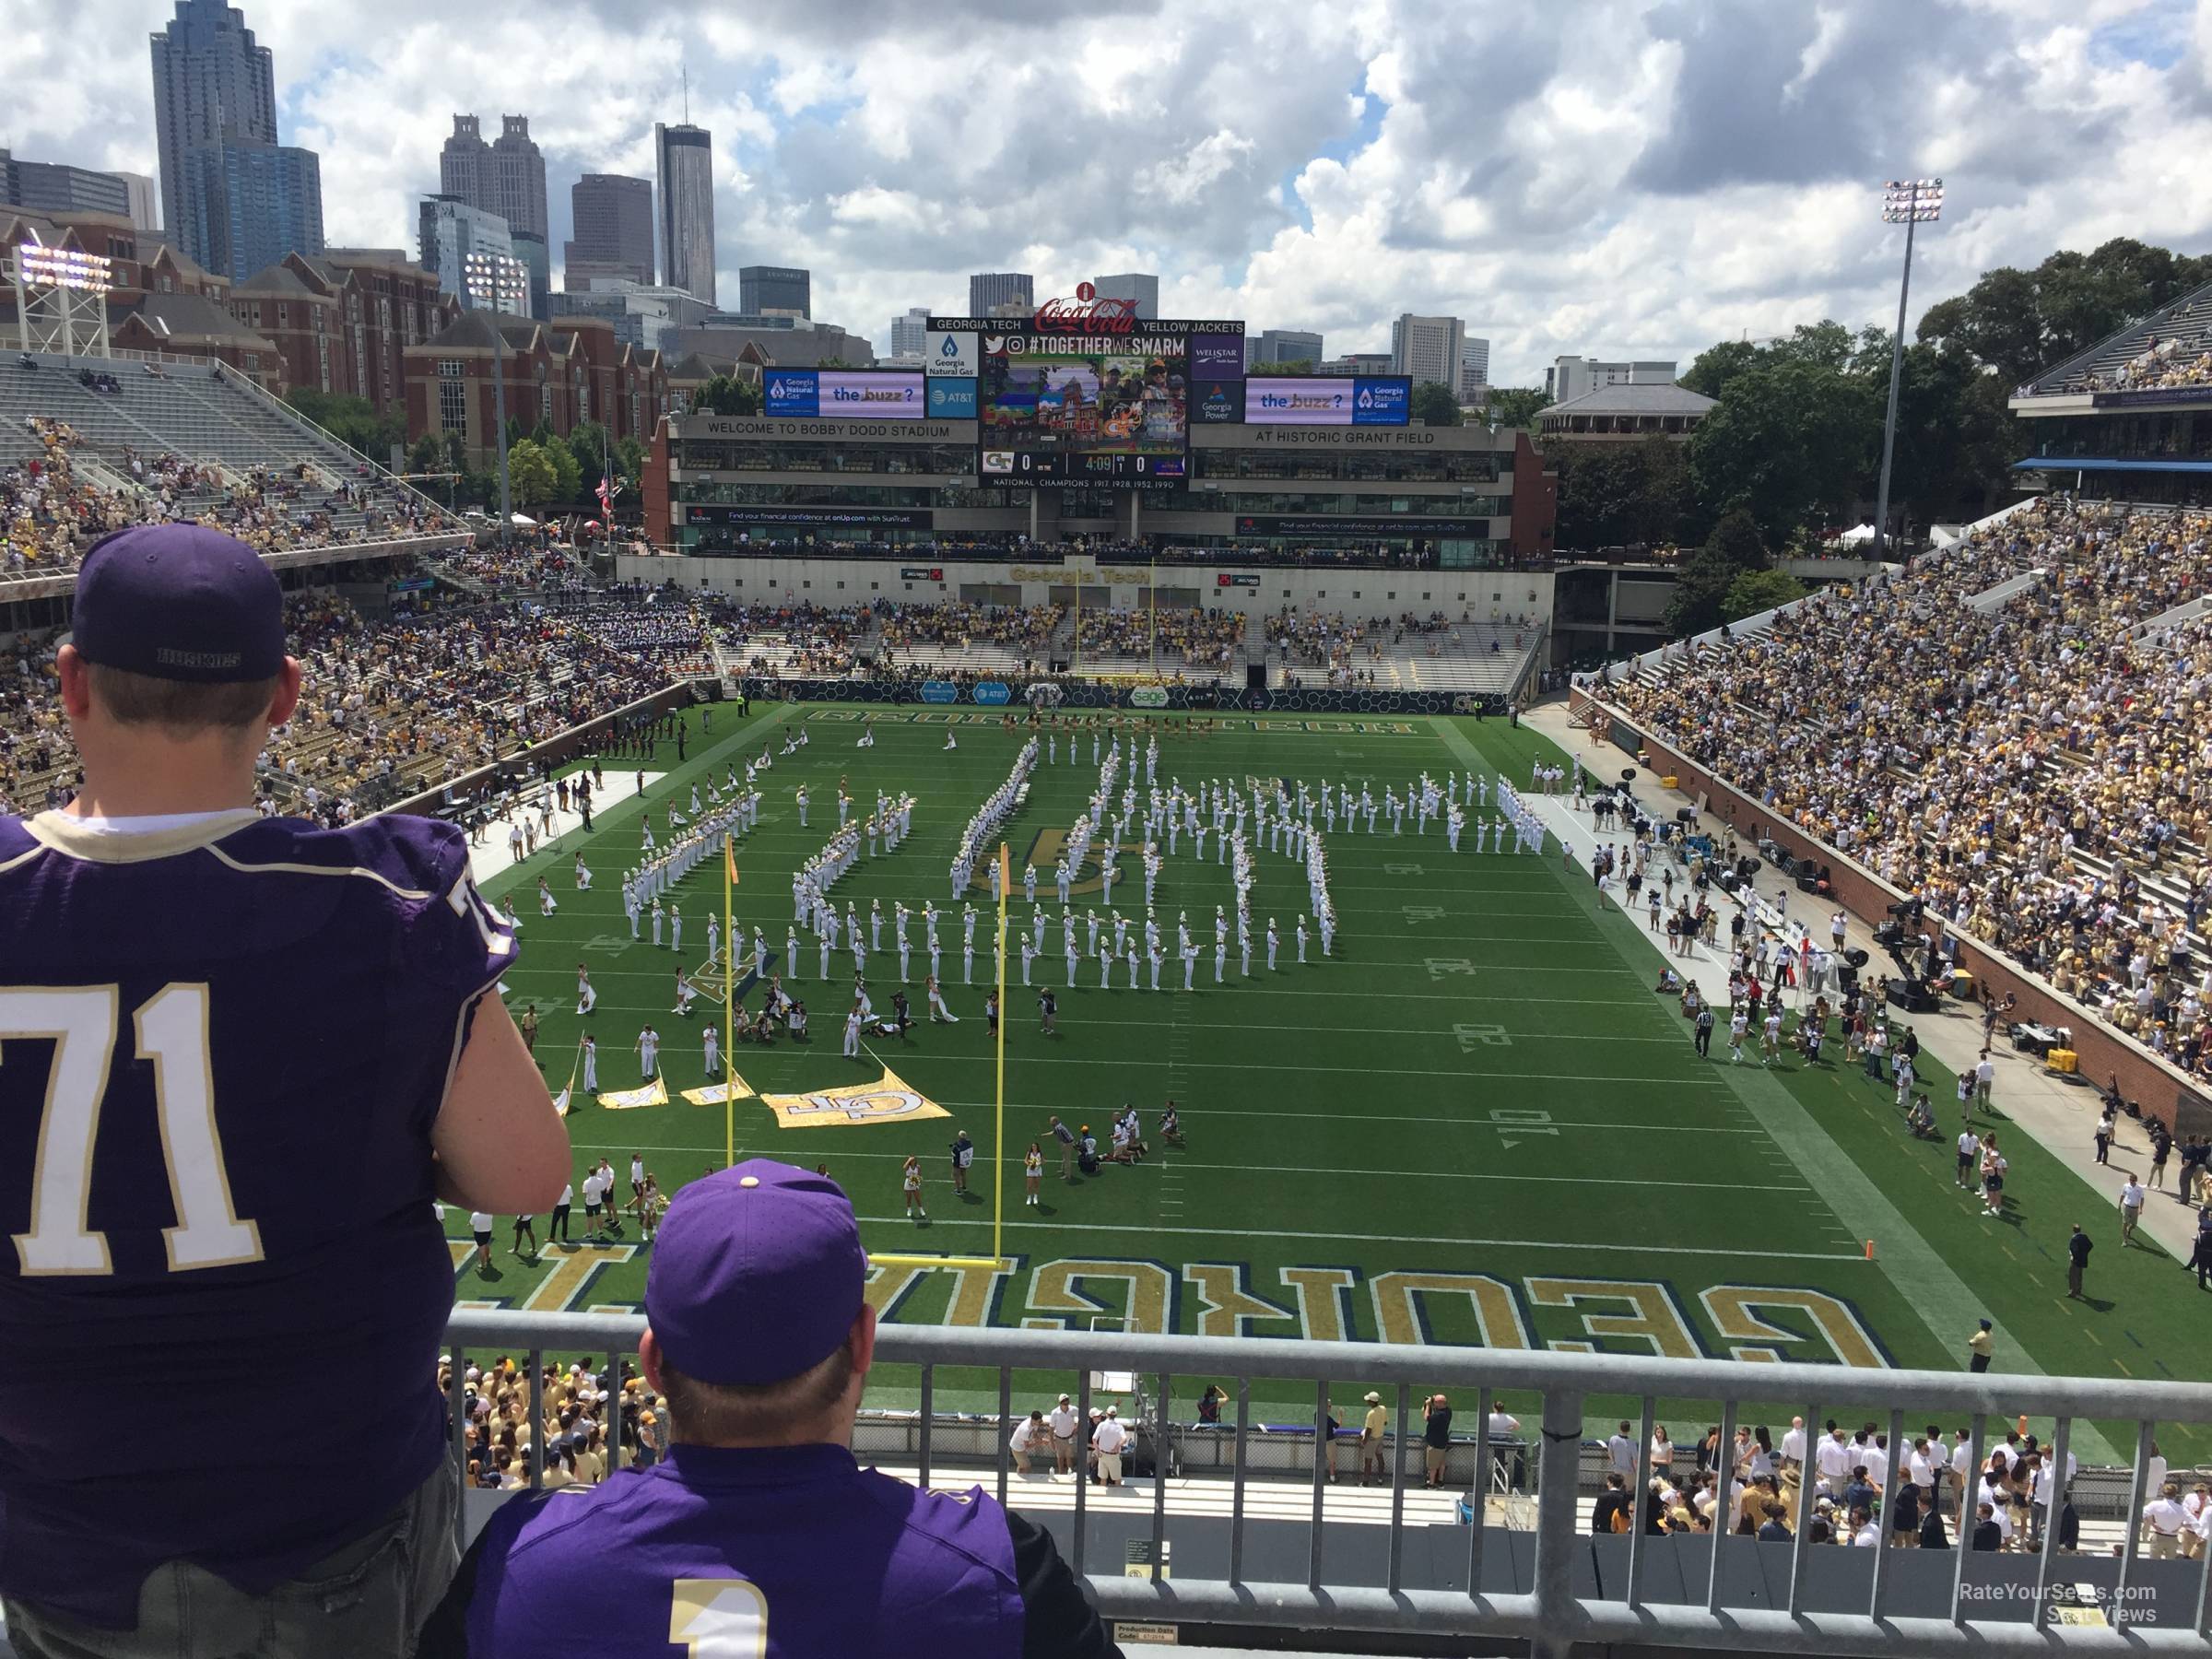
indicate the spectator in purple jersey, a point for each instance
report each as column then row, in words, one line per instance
column 254, row 1050
column 760, row 1528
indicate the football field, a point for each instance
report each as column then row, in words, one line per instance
column 1474, row 1123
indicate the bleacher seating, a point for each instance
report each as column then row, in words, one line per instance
column 2171, row 348
column 1411, row 653
column 188, row 441
column 2025, row 757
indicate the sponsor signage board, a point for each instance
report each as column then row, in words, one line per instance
column 951, row 399
column 992, row 692
column 1148, row 697
column 1328, row 400
column 1236, row 579
column 890, row 518
column 1410, row 524
column 950, row 355
column 921, row 572
column 843, row 393
column 939, row 691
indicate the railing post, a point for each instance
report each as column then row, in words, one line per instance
column 1006, row 1410
column 1236, row 1500
column 457, row 1404
column 536, row 1361
column 929, row 1394
column 1162, row 1439
column 1556, row 1535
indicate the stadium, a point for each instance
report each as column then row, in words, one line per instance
column 853, row 807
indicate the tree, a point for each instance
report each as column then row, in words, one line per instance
column 1435, row 404
column 428, row 455
column 353, row 421
column 1515, row 406
column 568, row 476
column 1735, row 548
column 630, row 463
column 1616, row 494
column 1710, row 371
column 531, row 478
column 725, row 395
column 584, row 443
column 1756, row 590
column 1792, row 437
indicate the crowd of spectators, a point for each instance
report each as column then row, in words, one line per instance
column 2037, row 773
column 2175, row 360
column 1194, row 639
column 910, row 628
column 50, row 512
column 580, row 1420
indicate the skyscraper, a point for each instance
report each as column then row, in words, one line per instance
column 614, row 231
column 766, row 291
column 909, row 333
column 1132, row 284
column 684, row 157
column 231, row 197
column 1284, row 345
column 1428, row 348
column 208, row 76
column 1474, row 362
column 987, row 289
column 506, row 177
column 474, row 255
column 248, row 205
column 57, row 187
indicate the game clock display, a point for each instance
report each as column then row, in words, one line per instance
column 1112, row 470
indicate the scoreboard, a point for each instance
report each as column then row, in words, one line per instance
column 1084, row 393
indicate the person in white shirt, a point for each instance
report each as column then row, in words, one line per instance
column 2131, row 1209
column 1875, row 1453
column 479, row 1224
column 1832, row 1460
column 1864, row 1533
column 1792, row 1444
column 1025, row 1439
column 2164, row 1519
column 1063, row 1424
column 1108, row 1438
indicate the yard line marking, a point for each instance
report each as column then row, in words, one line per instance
column 1361, row 1071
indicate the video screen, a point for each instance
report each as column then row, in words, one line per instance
column 1101, row 415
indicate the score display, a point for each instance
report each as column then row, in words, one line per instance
column 1118, row 415
column 1084, row 393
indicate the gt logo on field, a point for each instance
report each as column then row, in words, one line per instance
column 1443, row 967
column 1472, row 1037
column 1422, row 912
column 888, row 1101
column 1390, row 869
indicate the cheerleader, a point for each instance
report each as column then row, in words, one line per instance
column 685, row 995
column 583, row 875
column 546, row 906
column 1032, row 1175
column 911, row 1181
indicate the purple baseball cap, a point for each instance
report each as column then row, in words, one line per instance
column 179, row 601
column 756, row 1274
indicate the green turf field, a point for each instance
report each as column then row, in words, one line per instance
column 1475, row 1125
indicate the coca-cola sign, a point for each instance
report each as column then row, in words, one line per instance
column 1087, row 314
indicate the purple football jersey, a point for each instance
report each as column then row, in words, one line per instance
column 789, row 1552
column 225, row 1046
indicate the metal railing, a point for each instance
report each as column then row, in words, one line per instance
column 1550, row 1615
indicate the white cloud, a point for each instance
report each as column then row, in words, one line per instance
column 1618, row 176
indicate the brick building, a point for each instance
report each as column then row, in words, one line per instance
column 341, row 322
column 563, row 373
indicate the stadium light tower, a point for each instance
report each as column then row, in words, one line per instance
column 62, row 300
column 1907, row 202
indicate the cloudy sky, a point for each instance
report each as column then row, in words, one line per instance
column 1617, row 177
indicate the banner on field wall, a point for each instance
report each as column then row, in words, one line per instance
column 887, row 1101
column 993, row 692
column 1149, row 696
column 1092, row 694
column 939, row 691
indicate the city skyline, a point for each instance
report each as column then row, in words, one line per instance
column 1343, row 181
